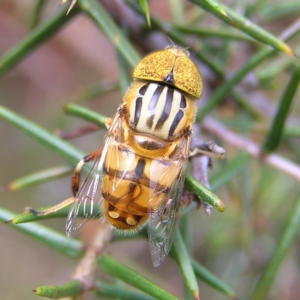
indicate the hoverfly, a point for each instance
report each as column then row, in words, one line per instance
column 137, row 175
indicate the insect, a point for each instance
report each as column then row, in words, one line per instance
column 137, row 175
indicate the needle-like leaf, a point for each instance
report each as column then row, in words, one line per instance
column 275, row 135
column 72, row 288
column 288, row 237
column 38, row 177
column 34, row 39
column 245, row 25
column 118, row 270
column 55, row 240
column 69, row 152
column 144, row 6
column 103, row 289
column 184, row 263
column 102, row 19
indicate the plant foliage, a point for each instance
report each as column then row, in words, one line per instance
column 247, row 52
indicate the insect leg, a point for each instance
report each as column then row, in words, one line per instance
column 75, row 186
column 210, row 149
column 76, row 174
column 188, row 197
column 201, row 156
column 50, row 210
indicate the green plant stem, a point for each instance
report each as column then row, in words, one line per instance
column 69, row 152
column 69, row 289
column 28, row 216
column 85, row 114
column 39, row 177
column 186, row 230
column 102, row 19
column 34, row 39
column 212, row 280
column 183, row 260
column 124, row 78
column 229, row 85
column 145, row 7
column 209, row 32
column 288, row 237
column 245, row 25
column 251, row 64
column 55, row 240
column 118, row 270
column 103, row 289
column 274, row 137
column 204, row 193
column 38, row 8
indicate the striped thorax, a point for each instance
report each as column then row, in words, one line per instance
column 159, row 109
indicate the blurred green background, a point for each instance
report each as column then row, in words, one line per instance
column 236, row 245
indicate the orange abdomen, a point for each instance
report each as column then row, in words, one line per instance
column 128, row 191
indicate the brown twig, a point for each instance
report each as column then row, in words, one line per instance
column 86, row 268
column 240, row 142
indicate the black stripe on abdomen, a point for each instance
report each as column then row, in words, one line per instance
column 139, row 169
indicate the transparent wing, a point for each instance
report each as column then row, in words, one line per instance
column 162, row 219
column 89, row 197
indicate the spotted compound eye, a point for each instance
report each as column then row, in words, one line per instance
column 172, row 66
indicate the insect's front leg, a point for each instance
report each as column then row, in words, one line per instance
column 201, row 161
column 210, row 149
column 201, row 156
